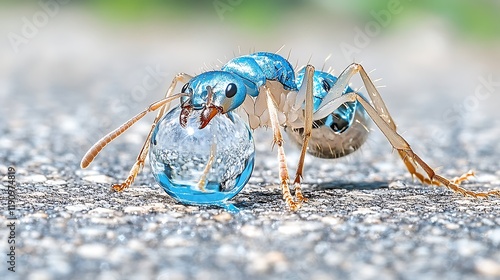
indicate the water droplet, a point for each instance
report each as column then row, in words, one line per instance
column 181, row 155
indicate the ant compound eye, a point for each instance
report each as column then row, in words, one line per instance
column 326, row 85
column 184, row 88
column 231, row 90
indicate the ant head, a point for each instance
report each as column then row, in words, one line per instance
column 214, row 92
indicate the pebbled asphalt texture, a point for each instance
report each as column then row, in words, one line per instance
column 365, row 218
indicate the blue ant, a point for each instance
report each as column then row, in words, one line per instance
column 319, row 111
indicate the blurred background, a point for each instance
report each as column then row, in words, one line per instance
column 80, row 68
column 71, row 71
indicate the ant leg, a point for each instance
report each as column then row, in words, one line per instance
column 278, row 139
column 139, row 163
column 339, row 87
column 380, row 108
column 97, row 147
column 307, row 84
column 384, row 114
column 163, row 105
column 464, row 177
column 210, row 162
column 412, row 160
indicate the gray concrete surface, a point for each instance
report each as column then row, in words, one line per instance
column 365, row 218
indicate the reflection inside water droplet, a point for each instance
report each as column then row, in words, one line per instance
column 180, row 156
